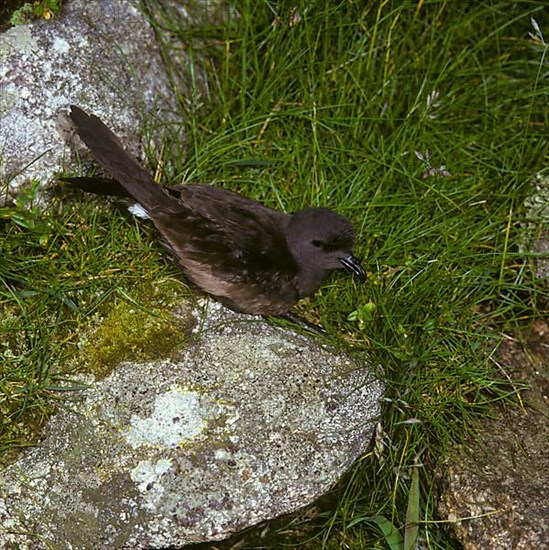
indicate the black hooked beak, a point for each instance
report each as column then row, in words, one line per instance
column 353, row 265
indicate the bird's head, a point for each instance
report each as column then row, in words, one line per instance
column 322, row 241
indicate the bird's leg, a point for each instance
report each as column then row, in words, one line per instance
column 303, row 323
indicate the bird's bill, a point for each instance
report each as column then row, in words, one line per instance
column 350, row 263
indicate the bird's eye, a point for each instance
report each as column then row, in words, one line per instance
column 324, row 246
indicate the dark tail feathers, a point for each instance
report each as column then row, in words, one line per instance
column 99, row 186
column 108, row 151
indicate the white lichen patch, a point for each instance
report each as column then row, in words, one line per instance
column 534, row 230
column 178, row 416
column 19, row 40
column 147, row 475
column 61, row 45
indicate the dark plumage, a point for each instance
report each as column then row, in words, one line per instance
column 251, row 258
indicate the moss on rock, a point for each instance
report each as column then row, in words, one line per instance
column 141, row 327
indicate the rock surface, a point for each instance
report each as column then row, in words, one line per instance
column 100, row 55
column 535, row 229
column 249, row 422
column 495, row 491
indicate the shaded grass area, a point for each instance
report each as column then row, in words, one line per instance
column 424, row 122
column 6, row 9
column 22, row 12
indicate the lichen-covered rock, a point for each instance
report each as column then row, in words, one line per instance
column 249, row 422
column 100, row 55
column 534, row 230
column 494, row 492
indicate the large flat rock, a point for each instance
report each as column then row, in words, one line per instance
column 249, row 422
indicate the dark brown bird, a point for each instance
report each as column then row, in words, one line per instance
column 251, row 258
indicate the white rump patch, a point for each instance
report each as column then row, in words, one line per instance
column 137, row 210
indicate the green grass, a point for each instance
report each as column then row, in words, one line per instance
column 331, row 108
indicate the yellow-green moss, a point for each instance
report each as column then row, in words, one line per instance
column 140, row 328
